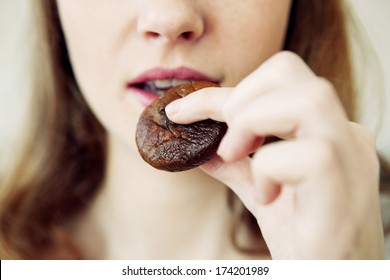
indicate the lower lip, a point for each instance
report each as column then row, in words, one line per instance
column 145, row 98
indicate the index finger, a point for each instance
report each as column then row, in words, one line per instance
column 203, row 104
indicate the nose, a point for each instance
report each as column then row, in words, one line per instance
column 171, row 20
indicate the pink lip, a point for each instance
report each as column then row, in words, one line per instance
column 181, row 73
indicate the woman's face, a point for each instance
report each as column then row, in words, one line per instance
column 124, row 52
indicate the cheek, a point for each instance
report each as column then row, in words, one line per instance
column 97, row 62
column 89, row 47
column 259, row 35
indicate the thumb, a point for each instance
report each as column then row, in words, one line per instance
column 235, row 175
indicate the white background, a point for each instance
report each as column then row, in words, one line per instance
column 102, row 270
column 375, row 21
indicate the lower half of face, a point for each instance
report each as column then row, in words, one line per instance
column 125, row 53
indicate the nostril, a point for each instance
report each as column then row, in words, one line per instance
column 187, row 35
column 181, row 24
column 151, row 34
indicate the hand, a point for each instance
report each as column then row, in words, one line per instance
column 315, row 194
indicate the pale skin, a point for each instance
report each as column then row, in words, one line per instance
column 314, row 195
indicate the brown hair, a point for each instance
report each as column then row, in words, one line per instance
column 63, row 162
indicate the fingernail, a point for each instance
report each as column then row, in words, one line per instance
column 172, row 108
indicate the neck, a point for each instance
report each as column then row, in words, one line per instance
column 146, row 213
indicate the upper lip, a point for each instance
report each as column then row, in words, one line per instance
column 180, row 73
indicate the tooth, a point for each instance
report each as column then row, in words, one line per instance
column 159, row 91
column 162, row 83
column 176, row 82
column 159, row 86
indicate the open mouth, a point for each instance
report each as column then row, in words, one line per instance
column 150, row 84
column 160, row 86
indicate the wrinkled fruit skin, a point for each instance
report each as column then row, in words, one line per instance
column 173, row 147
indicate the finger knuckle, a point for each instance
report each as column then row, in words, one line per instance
column 324, row 156
column 364, row 133
column 321, row 97
column 366, row 144
column 325, row 87
column 228, row 111
column 204, row 101
column 287, row 61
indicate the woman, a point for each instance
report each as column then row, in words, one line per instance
column 81, row 190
